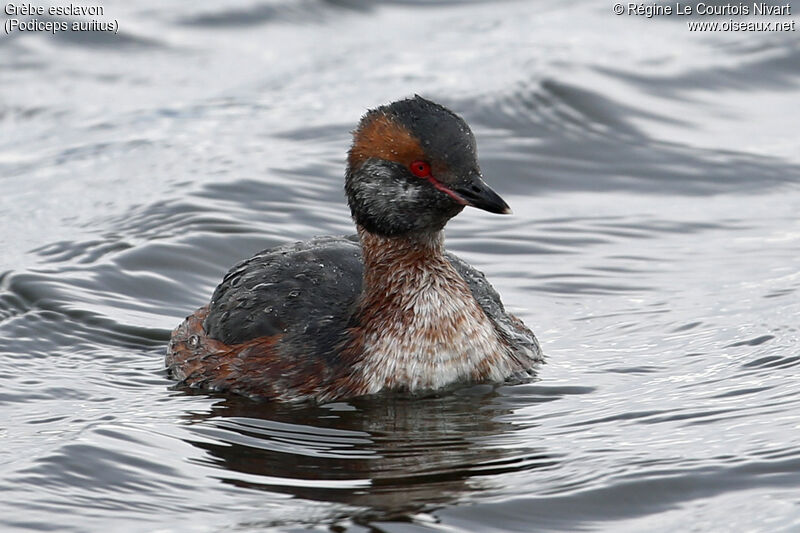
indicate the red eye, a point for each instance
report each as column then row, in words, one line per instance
column 420, row 169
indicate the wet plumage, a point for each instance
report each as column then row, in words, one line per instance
column 387, row 309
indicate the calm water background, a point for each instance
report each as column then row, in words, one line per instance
column 655, row 178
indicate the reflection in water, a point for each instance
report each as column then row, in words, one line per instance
column 391, row 456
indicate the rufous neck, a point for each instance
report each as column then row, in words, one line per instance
column 387, row 258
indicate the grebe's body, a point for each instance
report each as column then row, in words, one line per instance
column 388, row 309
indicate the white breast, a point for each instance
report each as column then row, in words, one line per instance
column 431, row 333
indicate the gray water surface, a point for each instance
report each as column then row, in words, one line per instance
column 655, row 178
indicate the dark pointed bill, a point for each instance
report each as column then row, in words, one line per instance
column 476, row 193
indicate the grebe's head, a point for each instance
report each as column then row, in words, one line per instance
column 413, row 167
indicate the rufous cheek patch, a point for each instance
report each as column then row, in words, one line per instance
column 383, row 138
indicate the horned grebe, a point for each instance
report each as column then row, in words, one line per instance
column 386, row 310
